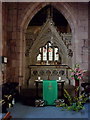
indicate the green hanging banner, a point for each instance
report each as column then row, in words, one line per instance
column 50, row 91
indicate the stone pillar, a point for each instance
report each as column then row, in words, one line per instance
column 14, row 44
column 82, row 33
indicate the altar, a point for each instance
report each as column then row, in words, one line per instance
column 50, row 90
column 51, row 73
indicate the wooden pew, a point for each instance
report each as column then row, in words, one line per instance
column 7, row 116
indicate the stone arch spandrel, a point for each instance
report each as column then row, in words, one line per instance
column 31, row 12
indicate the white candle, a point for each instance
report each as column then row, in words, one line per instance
column 38, row 78
column 59, row 78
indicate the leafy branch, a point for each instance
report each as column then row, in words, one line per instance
column 74, row 103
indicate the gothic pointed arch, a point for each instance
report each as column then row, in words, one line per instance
column 30, row 13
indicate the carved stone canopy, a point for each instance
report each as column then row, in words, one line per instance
column 48, row 33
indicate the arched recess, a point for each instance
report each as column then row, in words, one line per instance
column 64, row 8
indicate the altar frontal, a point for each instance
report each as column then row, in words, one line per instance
column 50, row 91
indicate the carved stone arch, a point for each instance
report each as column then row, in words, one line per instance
column 31, row 11
column 66, row 11
column 63, row 8
column 48, row 31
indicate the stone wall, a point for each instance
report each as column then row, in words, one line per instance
column 3, row 40
column 82, row 35
column 20, row 14
column 0, row 41
column 89, row 41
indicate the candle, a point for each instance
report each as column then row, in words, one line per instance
column 59, row 78
column 38, row 78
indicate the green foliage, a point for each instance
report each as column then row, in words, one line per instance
column 74, row 107
column 74, row 103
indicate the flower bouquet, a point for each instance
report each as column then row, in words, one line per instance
column 77, row 73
